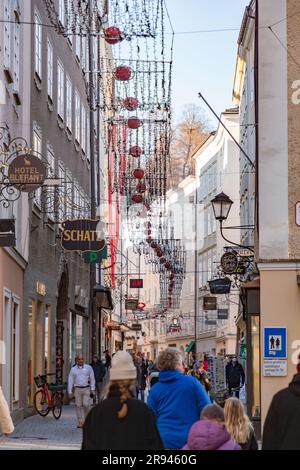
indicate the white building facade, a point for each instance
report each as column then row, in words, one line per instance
column 217, row 170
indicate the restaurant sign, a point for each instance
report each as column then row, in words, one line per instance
column 82, row 235
column 27, row 173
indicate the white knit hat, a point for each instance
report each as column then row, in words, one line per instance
column 122, row 367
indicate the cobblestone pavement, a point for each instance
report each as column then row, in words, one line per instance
column 37, row 433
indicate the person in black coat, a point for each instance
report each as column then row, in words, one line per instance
column 282, row 425
column 99, row 372
column 121, row 422
column 235, row 376
column 142, row 374
column 107, row 359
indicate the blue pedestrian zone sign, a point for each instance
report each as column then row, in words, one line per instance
column 275, row 343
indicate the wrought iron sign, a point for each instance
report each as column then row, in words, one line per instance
column 238, row 264
column 27, row 173
column 82, row 235
column 220, row 286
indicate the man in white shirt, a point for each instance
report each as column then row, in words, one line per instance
column 82, row 378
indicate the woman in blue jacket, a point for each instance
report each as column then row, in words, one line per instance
column 177, row 400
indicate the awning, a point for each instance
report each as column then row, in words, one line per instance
column 190, row 346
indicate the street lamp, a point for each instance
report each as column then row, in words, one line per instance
column 103, row 299
column 221, row 206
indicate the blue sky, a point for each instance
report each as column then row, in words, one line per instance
column 204, row 62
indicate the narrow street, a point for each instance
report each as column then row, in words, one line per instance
column 37, row 433
column 149, row 226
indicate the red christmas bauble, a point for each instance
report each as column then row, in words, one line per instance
column 139, row 173
column 162, row 260
column 141, row 188
column 123, row 73
column 159, row 253
column 137, row 198
column 131, row 103
column 112, row 35
column 149, row 240
column 172, row 276
column 147, row 224
column 154, row 245
column 134, row 122
column 168, row 265
column 135, row 151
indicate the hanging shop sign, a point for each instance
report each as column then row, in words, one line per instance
column 27, row 173
column 241, row 251
column 7, row 232
column 82, row 235
column 131, row 304
column 209, row 303
column 136, row 327
column 95, row 256
column 223, row 314
column 220, row 286
column 136, row 283
column 229, row 263
column 210, row 322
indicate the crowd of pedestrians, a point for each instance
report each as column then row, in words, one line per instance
column 139, row 404
column 176, row 413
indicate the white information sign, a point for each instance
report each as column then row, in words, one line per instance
column 275, row 368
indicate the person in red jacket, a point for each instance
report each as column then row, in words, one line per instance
column 205, row 364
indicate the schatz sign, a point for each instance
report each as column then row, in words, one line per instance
column 82, row 235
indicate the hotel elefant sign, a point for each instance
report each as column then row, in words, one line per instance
column 27, row 173
column 82, row 235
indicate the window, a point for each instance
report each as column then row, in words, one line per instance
column 38, row 44
column 60, row 90
column 77, row 116
column 7, row 34
column 61, row 11
column 37, row 147
column 69, row 21
column 61, row 191
column 50, row 69
column 85, row 56
column 78, row 46
column 76, row 200
column 209, row 264
column 69, row 104
column 50, row 174
column 88, row 153
column 69, row 193
column 200, row 276
column 83, row 129
column 16, row 55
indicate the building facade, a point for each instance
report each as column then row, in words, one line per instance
column 217, row 170
column 45, row 291
column 14, row 119
column 278, row 245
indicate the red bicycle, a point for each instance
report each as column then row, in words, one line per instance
column 50, row 397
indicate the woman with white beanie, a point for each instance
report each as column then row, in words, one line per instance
column 121, row 422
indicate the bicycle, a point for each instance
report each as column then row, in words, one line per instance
column 50, row 397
